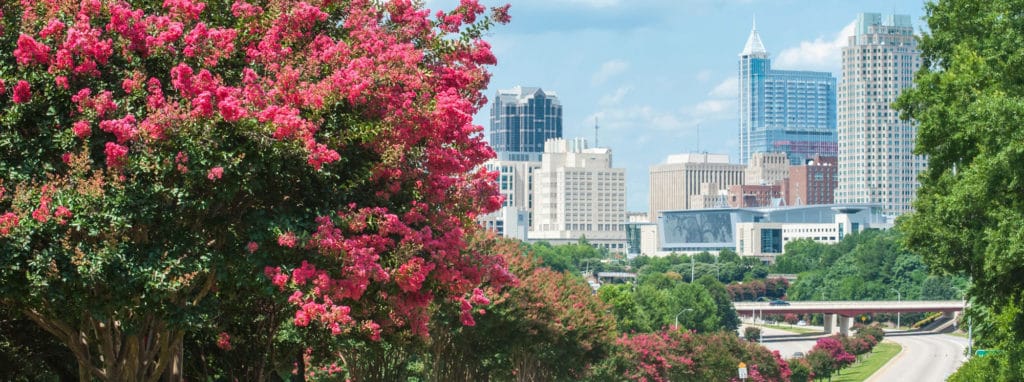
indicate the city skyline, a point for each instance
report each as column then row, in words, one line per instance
column 653, row 71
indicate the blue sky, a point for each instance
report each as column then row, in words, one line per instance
column 654, row 72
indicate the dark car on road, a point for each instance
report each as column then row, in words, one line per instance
column 778, row 302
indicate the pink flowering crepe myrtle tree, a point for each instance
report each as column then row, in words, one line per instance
column 152, row 150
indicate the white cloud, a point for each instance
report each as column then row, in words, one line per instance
column 729, row 88
column 720, row 103
column 819, row 54
column 713, row 107
column 634, row 118
column 704, row 75
column 614, row 98
column 608, row 70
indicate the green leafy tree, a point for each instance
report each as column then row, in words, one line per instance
column 821, row 363
column 801, row 370
column 551, row 327
column 630, row 315
column 803, row 255
column 970, row 207
column 728, row 319
column 728, row 256
column 938, row 288
column 693, row 305
column 752, row 333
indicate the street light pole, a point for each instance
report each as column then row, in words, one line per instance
column 898, row 299
column 681, row 312
column 691, row 269
column 718, row 274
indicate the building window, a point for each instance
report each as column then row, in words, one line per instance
column 771, row 240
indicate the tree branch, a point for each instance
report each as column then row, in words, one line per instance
column 70, row 337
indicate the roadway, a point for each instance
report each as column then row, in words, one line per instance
column 788, row 343
column 925, row 356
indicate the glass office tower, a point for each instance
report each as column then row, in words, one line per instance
column 522, row 119
column 786, row 111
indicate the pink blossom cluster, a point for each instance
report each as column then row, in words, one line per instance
column 366, row 235
column 215, row 173
column 8, row 221
column 224, row 341
column 295, row 75
column 834, row 348
column 654, row 353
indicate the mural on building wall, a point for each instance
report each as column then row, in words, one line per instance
column 702, row 228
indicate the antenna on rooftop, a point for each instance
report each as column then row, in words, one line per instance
column 595, row 133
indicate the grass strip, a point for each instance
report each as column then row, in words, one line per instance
column 873, row 361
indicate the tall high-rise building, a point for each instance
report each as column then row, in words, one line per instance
column 578, row 194
column 876, row 159
column 786, row 111
column 683, row 175
column 522, row 119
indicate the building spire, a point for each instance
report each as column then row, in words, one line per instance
column 754, row 45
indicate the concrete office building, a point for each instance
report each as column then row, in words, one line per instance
column 767, row 168
column 787, row 111
column 515, row 182
column 710, row 196
column 876, row 159
column 522, row 119
column 683, row 175
column 577, row 193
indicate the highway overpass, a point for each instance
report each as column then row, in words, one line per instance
column 846, row 310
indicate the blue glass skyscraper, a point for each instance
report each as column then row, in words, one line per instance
column 522, row 119
column 787, row 111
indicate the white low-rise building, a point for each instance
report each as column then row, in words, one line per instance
column 763, row 232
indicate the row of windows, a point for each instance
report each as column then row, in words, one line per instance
column 815, row 238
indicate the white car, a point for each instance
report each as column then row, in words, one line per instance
column 801, row 323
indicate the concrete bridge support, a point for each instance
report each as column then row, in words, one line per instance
column 830, row 323
column 844, row 325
